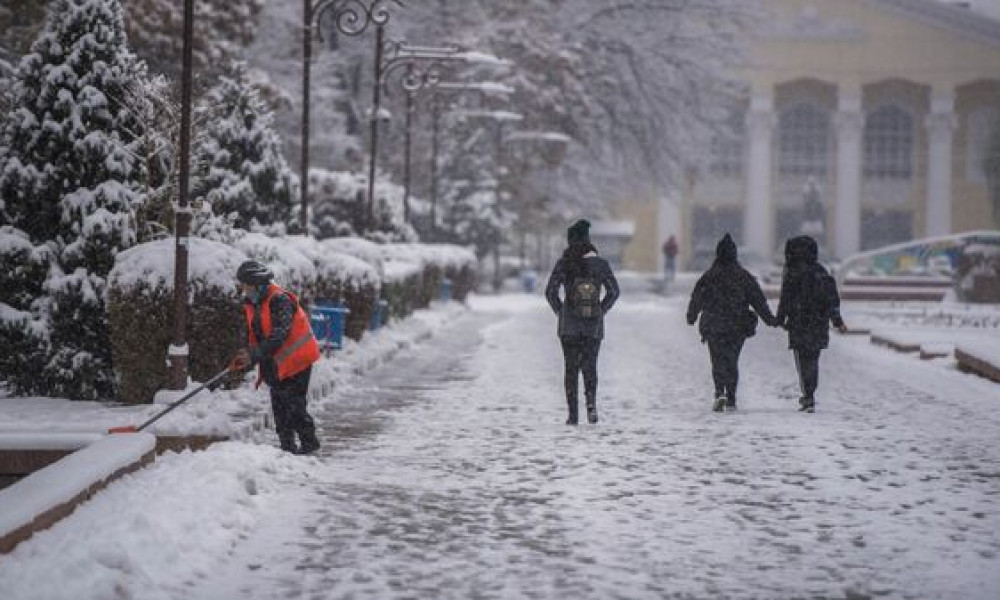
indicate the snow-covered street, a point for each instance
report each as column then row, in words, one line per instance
column 449, row 473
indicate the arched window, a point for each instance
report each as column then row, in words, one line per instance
column 804, row 140
column 981, row 125
column 729, row 147
column 889, row 143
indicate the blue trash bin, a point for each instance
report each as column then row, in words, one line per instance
column 380, row 316
column 327, row 320
column 528, row 280
column 444, row 292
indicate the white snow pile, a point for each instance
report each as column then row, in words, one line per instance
column 61, row 481
column 210, row 263
column 366, row 250
column 334, row 265
column 154, row 530
column 445, row 256
column 289, row 265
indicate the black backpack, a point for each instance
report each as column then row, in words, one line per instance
column 585, row 297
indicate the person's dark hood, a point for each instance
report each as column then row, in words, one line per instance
column 801, row 250
column 725, row 250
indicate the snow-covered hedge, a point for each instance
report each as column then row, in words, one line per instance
column 292, row 269
column 140, row 303
column 342, row 277
column 438, row 261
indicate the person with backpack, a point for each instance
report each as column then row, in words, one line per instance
column 723, row 297
column 581, row 274
column 283, row 348
column 808, row 304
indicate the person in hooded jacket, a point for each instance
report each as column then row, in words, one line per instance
column 283, row 348
column 581, row 274
column 723, row 297
column 808, row 304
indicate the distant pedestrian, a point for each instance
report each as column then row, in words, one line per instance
column 723, row 297
column 670, row 250
column 809, row 303
column 581, row 274
column 283, row 348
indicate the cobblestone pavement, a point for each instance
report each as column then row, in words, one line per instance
column 449, row 474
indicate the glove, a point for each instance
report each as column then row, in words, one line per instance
column 240, row 361
column 692, row 319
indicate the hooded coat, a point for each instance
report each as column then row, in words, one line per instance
column 724, row 295
column 809, row 299
column 580, row 259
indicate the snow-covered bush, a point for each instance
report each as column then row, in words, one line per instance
column 72, row 175
column 401, row 286
column 23, row 268
column 140, row 303
column 239, row 165
column 339, row 202
column 437, row 262
column 292, row 270
column 342, row 277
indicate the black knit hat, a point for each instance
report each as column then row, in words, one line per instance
column 579, row 232
column 254, row 273
column 725, row 250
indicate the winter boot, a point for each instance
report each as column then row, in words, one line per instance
column 309, row 441
column 591, row 408
column 574, row 410
column 731, row 403
column 720, row 404
column 286, row 440
column 807, row 404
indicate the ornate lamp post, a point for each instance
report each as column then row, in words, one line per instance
column 351, row 18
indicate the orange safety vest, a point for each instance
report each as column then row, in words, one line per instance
column 300, row 348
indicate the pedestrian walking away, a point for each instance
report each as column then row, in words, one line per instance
column 670, row 250
column 808, row 304
column 581, row 275
column 723, row 298
column 283, row 349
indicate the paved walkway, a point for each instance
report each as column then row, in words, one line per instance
column 449, row 474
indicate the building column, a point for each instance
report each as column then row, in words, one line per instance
column 849, row 127
column 941, row 124
column 758, row 215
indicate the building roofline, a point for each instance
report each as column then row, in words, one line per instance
column 955, row 18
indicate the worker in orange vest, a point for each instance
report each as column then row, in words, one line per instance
column 283, row 348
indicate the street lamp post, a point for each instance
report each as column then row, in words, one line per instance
column 351, row 18
column 177, row 355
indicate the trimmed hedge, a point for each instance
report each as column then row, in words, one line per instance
column 140, row 306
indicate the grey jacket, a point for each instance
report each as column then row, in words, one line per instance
column 571, row 325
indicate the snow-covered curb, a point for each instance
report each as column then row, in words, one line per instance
column 50, row 494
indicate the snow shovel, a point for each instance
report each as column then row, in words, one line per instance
column 208, row 384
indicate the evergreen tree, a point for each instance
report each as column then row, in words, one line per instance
column 240, row 167
column 72, row 175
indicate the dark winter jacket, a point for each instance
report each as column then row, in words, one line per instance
column 580, row 260
column 282, row 314
column 724, row 295
column 809, row 300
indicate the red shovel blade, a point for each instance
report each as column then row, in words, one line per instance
column 125, row 429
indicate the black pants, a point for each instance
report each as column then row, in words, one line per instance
column 580, row 354
column 725, row 354
column 288, row 402
column 807, row 364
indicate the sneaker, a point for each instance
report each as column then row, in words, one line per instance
column 720, row 404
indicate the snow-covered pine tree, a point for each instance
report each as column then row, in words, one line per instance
column 239, row 164
column 72, row 177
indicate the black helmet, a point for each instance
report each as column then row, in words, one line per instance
column 254, row 273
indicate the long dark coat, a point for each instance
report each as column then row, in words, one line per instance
column 809, row 300
column 570, row 324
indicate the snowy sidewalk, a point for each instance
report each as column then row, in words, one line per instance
column 455, row 478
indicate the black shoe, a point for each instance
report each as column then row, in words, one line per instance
column 807, row 405
column 309, row 442
column 720, row 404
column 592, row 415
column 730, row 407
column 572, row 420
